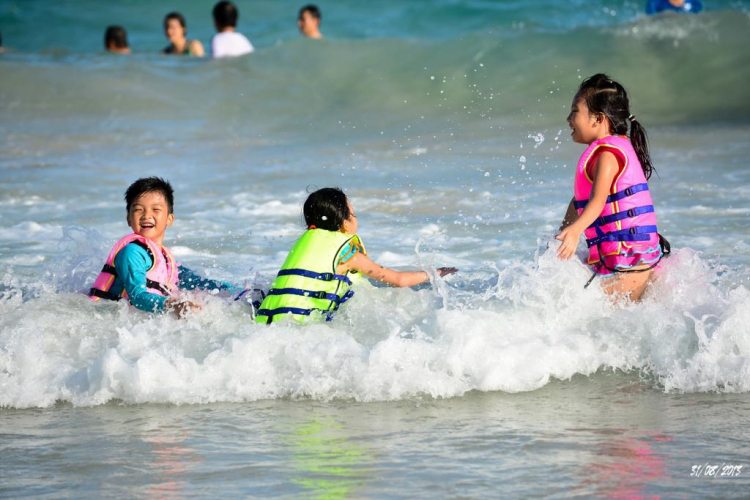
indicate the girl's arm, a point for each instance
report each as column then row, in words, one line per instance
column 363, row 264
column 605, row 169
column 571, row 214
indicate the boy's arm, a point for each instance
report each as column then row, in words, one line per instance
column 132, row 264
column 192, row 281
column 363, row 264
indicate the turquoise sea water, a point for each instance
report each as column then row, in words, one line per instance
column 445, row 123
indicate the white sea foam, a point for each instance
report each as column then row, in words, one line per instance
column 513, row 332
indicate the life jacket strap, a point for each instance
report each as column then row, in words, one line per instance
column 348, row 295
column 625, row 214
column 109, row 270
column 270, row 313
column 305, row 293
column 157, row 286
column 335, row 299
column 95, row 292
column 315, row 276
column 636, row 233
column 636, row 188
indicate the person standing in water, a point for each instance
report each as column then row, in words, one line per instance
column 227, row 42
column 308, row 22
column 689, row 6
column 612, row 204
column 175, row 29
column 116, row 40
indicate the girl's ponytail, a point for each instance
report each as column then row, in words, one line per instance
column 639, row 139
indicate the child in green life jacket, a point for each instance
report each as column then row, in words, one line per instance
column 316, row 277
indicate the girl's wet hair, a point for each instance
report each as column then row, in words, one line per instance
column 326, row 208
column 607, row 97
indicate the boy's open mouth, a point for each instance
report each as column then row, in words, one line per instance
column 147, row 225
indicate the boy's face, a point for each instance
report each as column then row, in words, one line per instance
column 149, row 216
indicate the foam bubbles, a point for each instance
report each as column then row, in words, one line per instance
column 513, row 330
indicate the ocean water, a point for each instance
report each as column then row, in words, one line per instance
column 444, row 122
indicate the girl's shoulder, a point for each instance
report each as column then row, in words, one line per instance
column 350, row 249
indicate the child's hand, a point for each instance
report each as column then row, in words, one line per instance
column 183, row 307
column 569, row 237
column 445, row 271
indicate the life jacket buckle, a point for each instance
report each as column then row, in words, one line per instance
column 628, row 191
column 631, row 213
column 633, row 230
column 326, row 276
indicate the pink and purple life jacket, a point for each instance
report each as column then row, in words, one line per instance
column 625, row 234
column 161, row 279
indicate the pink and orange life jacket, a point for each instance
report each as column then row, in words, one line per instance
column 627, row 224
column 161, row 279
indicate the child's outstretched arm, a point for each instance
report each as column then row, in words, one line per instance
column 189, row 280
column 363, row 264
column 132, row 264
column 604, row 173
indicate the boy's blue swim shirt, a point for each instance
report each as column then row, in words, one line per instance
column 132, row 264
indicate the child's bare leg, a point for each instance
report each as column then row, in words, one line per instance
column 632, row 284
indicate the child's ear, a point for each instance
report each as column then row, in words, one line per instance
column 345, row 227
column 170, row 219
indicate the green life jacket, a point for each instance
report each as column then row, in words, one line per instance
column 308, row 282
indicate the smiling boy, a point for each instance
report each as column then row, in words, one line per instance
column 139, row 267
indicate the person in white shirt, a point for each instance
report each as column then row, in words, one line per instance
column 227, row 42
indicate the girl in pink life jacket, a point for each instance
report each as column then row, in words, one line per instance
column 139, row 268
column 612, row 205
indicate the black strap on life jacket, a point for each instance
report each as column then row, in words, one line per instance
column 103, row 295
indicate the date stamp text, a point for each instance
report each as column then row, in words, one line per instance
column 715, row 470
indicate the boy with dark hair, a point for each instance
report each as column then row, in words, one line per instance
column 227, row 42
column 116, row 40
column 308, row 21
column 139, row 268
